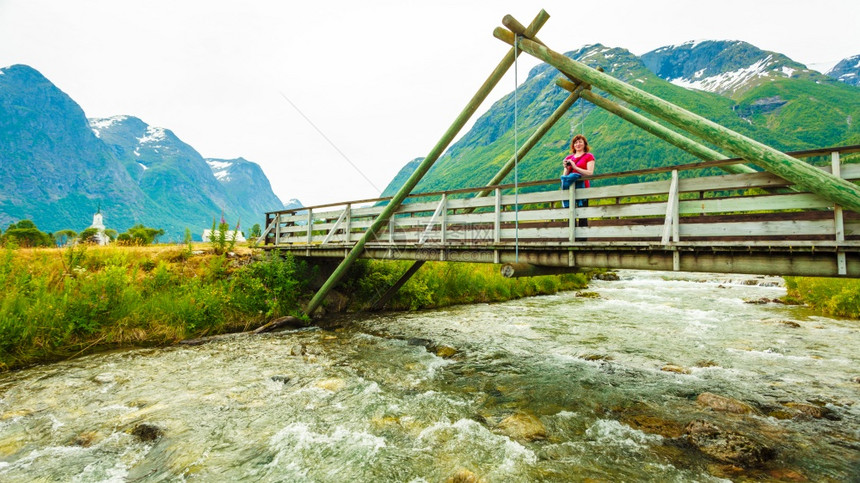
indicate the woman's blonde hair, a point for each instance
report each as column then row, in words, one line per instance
column 579, row 136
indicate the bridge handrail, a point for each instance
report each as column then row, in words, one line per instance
column 854, row 148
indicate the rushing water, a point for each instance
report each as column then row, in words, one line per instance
column 605, row 377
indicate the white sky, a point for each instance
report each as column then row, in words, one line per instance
column 382, row 80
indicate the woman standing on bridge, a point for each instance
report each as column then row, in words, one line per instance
column 577, row 165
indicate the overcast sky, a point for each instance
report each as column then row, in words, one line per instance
column 381, row 80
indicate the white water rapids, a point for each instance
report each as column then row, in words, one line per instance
column 368, row 401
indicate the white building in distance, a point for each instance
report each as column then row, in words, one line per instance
column 98, row 223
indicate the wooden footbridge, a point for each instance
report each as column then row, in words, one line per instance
column 789, row 217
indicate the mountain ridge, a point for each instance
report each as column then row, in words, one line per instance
column 57, row 168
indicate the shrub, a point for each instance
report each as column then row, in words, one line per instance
column 25, row 234
column 833, row 296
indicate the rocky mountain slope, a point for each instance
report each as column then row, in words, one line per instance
column 57, row 168
column 847, row 71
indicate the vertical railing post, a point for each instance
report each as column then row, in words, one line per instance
column 571, row 214
column 310, row 225
column 444, row 219
column 348, row 223
column 497, row 225
column 838, row 220
column 670, row 229
column 277, row 222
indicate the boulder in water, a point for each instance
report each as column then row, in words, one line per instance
column 298, row 350
column 523, row 426
column 445, row 352
column 812, row 411
column 147, row 432
column 607, row 276
column 675, row 368
column 724, row 404
column 727, row 446
column 464, row 476
column 333, row 384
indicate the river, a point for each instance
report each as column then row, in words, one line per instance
column 564, row 387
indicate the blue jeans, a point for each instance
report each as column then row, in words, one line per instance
column 566, row 181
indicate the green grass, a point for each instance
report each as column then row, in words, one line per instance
column 60, row 303
column 57, row 304
column 440, row 284
column 831, row 296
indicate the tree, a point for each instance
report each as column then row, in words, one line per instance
column 89, row 235
column 63, row 237
column 25, row 234
column 140, row 235
column 255, row 230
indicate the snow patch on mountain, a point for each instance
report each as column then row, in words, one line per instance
column 98, row 124
column 153, row 135
column 221, row 169
column 726, row 81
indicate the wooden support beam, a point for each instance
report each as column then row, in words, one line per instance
column 422, row 168
column 802, row 174
column 379, row 304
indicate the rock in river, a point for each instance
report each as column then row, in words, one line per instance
column 523, row 426
column 727, row 446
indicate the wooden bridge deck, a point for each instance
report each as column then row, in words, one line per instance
column 733, row 223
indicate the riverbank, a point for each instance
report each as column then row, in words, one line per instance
column 62, row 303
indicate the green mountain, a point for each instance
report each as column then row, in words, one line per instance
column 783, row 108
column 57, row 168
column 53, row 169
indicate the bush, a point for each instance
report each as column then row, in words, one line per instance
column 140, row 235
column 832, row 296
column 25, row 234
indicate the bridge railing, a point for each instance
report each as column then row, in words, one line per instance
column 727, row 209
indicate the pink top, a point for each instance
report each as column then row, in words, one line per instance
column 581, row 163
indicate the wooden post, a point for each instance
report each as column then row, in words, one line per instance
column 802, row 174
column 497, row 224
column 348, row 226
column 310, row 225
column 838, row 220
column 670, row 225
column 422, row 168
column 696, row 149
column 571, row 215
column 444, row 220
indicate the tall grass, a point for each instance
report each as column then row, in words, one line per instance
column 439, row 284
column 55, row 304
column 831, row 296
